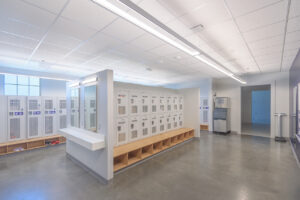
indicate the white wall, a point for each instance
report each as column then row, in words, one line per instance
column 55, row 88
column 279, row 97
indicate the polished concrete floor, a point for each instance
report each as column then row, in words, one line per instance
column 216, row 167
column 262, row 130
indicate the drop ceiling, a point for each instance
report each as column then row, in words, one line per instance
column 78, row 37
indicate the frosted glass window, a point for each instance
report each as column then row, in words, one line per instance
column 10, row 79
column 23, row 80
column 34, row 91
column 34, row 81
column 10, row 89
column 23, row 90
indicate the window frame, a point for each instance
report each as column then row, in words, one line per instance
column 29, row 86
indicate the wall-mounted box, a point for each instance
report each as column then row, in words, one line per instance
column 145, row 121
column 62, row 112
column 162, row 104
column 180, row 103
column 154, row 124
column 145, row 103
column 3, row 119
column 175, row 120
column 175, row 102
column 16, row 107
column 134, row 129
column 50, row 115
column 121, row 103
column 169, row 103
column 34, row 117
column 121, row 131
column 134, row 103
column 180, row 120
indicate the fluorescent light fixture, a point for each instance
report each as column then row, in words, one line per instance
column 220, row 69
column 238, row 79
column 187, row 49
column 89, row 80
column 75, row 84
column 111, row 7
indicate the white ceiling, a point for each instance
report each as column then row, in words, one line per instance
column 78, row 37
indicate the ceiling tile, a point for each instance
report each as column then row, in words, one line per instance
column 89, row 14
column 147, row 41
column 156, row 10
column 53, row 6
column 164, row 50
column 17, row 40
column 14, row 51
column 263, row 17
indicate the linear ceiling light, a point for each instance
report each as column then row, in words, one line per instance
column 191, row 51
column 109, row 6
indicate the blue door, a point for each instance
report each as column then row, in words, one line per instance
column 261, row 105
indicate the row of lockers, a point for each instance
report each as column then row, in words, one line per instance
column 24, row 117
column 136, row 127
column 134, row 103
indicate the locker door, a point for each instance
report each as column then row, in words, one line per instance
column 34, row 117
column 16, row 118
column 62, row 112
column 50, row 125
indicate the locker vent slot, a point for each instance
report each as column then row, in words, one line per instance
column 33, row 104
column 14, row 104
column 169, row 125
column 134, row 109
column 169, row 107
column 180, row 106
column 92, row 103
column 162, row 127
column 154, row 129
column 145, row 109
column 162, row 108
column 48, row 104
column 153, row 108
column 49, row 124
column 175, row 107
column 15, row 132
column 205, row 116
column 205, row 102
column 72, row 120
column 145, row 131
column 175, row 124
column 122, row 110
column 93, row 119
column 62, row 104
column 33, row 126
column 121, row 137
column 72, row 103
column 180, row 123
column 134, row 134
column 62, row 121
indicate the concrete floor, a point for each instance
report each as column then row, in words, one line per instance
column 212, row 168
column 262, row 130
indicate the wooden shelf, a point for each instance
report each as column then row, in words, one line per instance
column 133, row 152
column 29, row 144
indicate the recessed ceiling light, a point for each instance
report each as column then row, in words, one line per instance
column 197, row 28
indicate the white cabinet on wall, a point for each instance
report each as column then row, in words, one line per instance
column 204, row 110
column 75, row 107
column 162, row 104
column 34, row 117
column 62, row 112
column 121, row 131
column 134, row 128
column 3, row 119
column 154, row 104
column 154, row 124
column 162, row 123
column 169, row 102
column 16, row 117
column 175, row 120
column 145, row 126
column 134, row 103
column 121, row 103
column 175, row 103
column 50, row 115
column 180, row 103
column 180, row 120
column 169, row 123
column 145, row 103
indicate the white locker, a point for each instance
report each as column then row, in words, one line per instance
column 175, row 103
column 169, row 123
column 134, row 128
column 90, row 122
column 3, row 119
column 34, row 117
column 134, row 103
column 169, row 102
column 154, row 124
column 175, row 121
column 121, row 103
column 75, row 108
column 62, row 112
column 162, row 104
column 145, row 104
column 16, row 127
column 180, row 120
column 121, row 131
column 50, row 117
column 145, row 126
column 180, row 103
column 154, row 104
column 162, row 123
